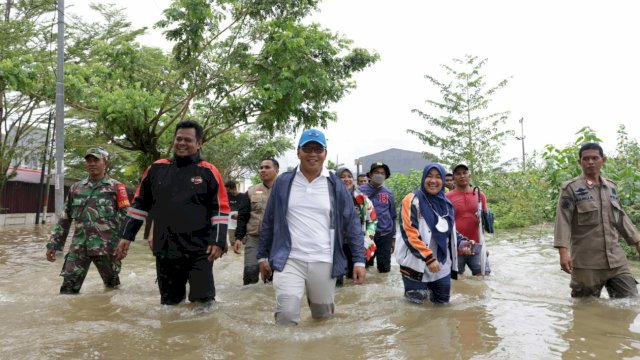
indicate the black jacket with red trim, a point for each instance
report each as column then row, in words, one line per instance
column 189, row 206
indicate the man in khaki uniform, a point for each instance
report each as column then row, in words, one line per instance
column 588, row 219
column 250, row 220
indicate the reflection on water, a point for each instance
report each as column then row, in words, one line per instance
column 522, row 311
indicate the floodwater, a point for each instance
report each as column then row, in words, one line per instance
column 522, row 311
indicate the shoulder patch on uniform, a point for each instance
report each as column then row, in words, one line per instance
column 122, row 198
column 565, row 202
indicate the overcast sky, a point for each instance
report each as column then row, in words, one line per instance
column 570, row 64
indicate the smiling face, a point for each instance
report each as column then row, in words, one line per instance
column 433, row 182
column 347, row 179
column 312, row 156
column 185, row 142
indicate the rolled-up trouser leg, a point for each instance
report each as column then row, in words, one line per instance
column 251, row 269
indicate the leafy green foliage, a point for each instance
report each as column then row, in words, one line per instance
column 401, row 185
column 25, row 81
column 234, row 63
column 237, row 155
column 462, row 127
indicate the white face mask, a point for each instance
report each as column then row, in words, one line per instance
column 377, row 179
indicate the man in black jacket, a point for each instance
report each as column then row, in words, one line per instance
column 191, row 212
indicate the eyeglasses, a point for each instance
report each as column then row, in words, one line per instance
column 309, row 149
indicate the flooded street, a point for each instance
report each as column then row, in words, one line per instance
column 522, row 311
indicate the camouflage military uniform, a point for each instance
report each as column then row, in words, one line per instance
column 97, row 208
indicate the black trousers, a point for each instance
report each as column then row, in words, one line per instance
column 383, row 252
column 174, row 273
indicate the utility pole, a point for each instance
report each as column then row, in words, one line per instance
column 44, row 164
column 521, row 138
column 59, row 183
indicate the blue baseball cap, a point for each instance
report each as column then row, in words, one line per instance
column 310, row 135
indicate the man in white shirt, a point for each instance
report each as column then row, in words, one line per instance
column 309, row 216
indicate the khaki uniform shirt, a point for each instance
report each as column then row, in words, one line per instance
column 258, row 197
column 588, row 220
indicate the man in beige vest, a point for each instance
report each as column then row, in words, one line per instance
column 250, row 219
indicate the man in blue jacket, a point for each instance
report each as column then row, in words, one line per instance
column 309, row 216
column 382, row 199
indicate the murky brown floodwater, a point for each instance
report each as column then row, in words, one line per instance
column 523, row 311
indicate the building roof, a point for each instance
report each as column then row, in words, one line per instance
column 29, row 176
column 398, row 160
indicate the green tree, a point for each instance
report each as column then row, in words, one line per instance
column 234, row 63
column 401, row 184
column 122, row 164
column 24, row 77
column 238, row 154
column 334, row 165
column 562, row 164
column 462, row 127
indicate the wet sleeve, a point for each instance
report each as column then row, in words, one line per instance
column 244, row 212
column 564, row 218
column 61, row 229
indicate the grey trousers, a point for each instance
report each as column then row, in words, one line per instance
column 290, row 285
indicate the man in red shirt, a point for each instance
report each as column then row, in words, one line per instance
column 465, row 204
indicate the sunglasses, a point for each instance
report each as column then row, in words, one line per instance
column 309, row 150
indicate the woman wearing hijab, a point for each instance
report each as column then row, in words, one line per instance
column 427, row 251
column 367, row 214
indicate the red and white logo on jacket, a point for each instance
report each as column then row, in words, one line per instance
column 196, row 180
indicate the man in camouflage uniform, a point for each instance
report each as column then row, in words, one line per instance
column 97, row 204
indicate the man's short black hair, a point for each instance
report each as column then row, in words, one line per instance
column 361, row 175
column 190, row 124
column 274, row 162
column 448, row 174
column 230, row 184
column 590, row 146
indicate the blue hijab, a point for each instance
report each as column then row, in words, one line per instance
column 440, row 205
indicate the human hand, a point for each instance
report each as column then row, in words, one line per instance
column 359, row 275
column 265, row 271
column 237, row 246
column 566, row 264
column 51, row 255
column 122, row 249
column 434, row 267
column 215, row 252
